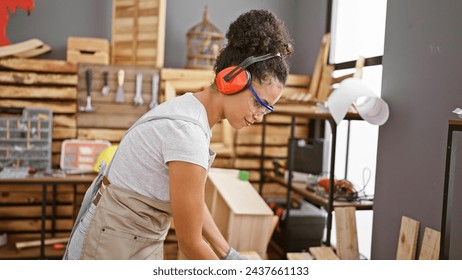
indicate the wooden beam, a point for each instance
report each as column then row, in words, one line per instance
column 43, row 92
column 103, row 134
column 32, row 78
column 56, row 106
column 347, row 237
column 39, row 65
column 430, row 249
column 188, row 74
column 407, row 242
column 36, row 243
column 321, row 61
column 20, row 47
column 34, row 52
column 299, row 256
column 323, row 253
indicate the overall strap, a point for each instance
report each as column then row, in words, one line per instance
column 105, row 169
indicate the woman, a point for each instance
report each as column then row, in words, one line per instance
column 161, row 165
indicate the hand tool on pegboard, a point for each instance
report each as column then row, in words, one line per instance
column 105, row 89
column 120, row 98
column 138, row 91
column 88, row 107
column 155, row 90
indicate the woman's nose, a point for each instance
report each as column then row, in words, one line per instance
column 257, row 117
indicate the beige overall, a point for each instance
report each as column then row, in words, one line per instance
column 127, row 225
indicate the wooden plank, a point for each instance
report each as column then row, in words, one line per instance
column 34, row 52
column 250, row 163
column 430, row 249
column 222, row 150
column 246, row 139
column 32, row 78
column 346, row 234
column 106, row 120
column 60, row 120
column 170, row 91
column 88, row 44
column 325, row 84
column 74, row 56
column 279, row 119
column 64, row 133
column 43, row 92
column 35, row 224
column 112, row 135
column 188, row 74
column 323, row 253
column 273, row 130
column 20, row 47
column 320, row 62
column 223, row 163
column 114, row 109
column 299, row 256
column 295, row 80
column 255, row 151
column 33, row 211
column 37, row 243
column 33, row 197
column 9, row 251
column 21, row 188
column 38, row 65
column 187, row 85
column 56, row 106
column 407, row 242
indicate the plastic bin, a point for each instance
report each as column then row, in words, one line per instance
column 26, row 141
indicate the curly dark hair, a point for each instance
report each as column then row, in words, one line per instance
column 256, row 33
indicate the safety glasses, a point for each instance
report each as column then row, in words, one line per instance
column 258, row 106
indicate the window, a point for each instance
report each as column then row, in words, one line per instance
column 358, row 29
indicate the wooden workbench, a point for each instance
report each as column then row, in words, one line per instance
column 39, row 207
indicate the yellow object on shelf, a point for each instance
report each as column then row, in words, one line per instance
column 105, row 155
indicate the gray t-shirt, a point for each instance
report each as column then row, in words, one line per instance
column 140, row 161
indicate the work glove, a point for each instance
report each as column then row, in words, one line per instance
column 233, row 255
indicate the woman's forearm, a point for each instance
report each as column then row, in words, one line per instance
column 213, row 235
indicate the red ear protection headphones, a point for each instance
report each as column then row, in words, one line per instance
column 233, row 79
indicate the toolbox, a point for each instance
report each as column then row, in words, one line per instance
column 303, row 228
column 79, row 154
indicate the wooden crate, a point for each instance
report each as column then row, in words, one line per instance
column 88, row 50
column 138, row 32
column 242, row 216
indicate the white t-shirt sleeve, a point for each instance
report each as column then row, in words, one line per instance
column 185, row 141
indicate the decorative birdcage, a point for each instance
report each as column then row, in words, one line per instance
column 203, row 44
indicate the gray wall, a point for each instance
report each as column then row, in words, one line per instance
column 53, row 21
column 422, row 85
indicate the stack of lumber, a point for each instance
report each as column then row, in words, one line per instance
column 40, row 83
